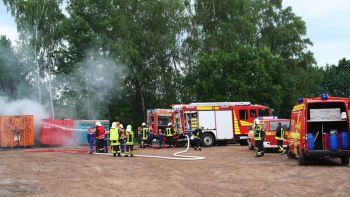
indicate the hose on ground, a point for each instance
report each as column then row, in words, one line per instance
column 176, row 156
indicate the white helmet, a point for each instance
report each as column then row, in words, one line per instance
column 128, row 128
column 121, row 126
column 98, row 124
column 114, row 125
column 257, row 121
column 169, row 124
column 143, row 124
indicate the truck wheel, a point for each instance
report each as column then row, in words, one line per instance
column 301, row 158
column 290, row 155
column 208, row 139
column 242, row 142
column 250, row 146
column 345, row 160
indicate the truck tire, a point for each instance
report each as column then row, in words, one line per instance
column 290, row 155
column 243, row 142
column 250, row 146
column 208, row 140
column 301, row 158
column 345, row 161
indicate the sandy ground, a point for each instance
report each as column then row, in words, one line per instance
column 227, row 171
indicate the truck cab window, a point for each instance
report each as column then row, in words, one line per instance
column 243, row 114
column 264, row 112
column 252, row 113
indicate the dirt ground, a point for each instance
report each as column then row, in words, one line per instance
column 227, row 171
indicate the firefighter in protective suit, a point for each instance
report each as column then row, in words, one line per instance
column 144, row 135
column 114, row 139
column 169, row 134
column 259, row 135
column 280, row 138
column 129, row 141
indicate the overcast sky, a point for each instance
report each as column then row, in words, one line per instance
column 327, row 22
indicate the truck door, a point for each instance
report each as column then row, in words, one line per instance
column 207, row 120
column 224, row 125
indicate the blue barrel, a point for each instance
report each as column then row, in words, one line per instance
column 310, row 141
column 333, row 142
column 344, row 140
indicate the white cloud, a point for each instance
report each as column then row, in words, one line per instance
column 10, row 32
column 328, row 27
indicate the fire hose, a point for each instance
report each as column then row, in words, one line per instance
column 175, row 156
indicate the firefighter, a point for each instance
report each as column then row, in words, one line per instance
column 129, row 141
column 280, row 138
column 100, row 136
column 160, row 137
column 150, row 136
column 259, row 135
column 197, row 135
column 122, row 138
column 169, row 134
column 144, row 135
column 91, row 139
column 114, row 139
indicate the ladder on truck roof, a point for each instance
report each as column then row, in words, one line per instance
column 221, row 104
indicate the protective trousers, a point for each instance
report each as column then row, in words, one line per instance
column 280, row 146
column 115, row 150
column 169, row 141
column 100, row 145
column 197, row 143
column 259, row 148
column 129, row 150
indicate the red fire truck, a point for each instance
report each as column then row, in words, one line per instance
column 159, row 119
column 320, row 128
column 222, row 121
column 270, row 126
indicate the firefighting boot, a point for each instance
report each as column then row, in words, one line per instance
column 200, row 149
column 114, row 154
column 195, row 148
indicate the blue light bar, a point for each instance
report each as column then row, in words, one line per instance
column 300, row 100
column 324, row 96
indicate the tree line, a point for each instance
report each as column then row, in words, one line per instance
column 115, row 59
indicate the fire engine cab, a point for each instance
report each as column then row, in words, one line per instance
column 320, row 128
column 270, row 125
column 223, row 122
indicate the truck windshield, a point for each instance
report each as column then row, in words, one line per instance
column 264, row 112
column 273, row 125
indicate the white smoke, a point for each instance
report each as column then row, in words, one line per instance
column 24, row 107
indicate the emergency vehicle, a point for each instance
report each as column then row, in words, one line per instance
column 223, row 122
column 159, row 119
column 320, row 128
column 270, row 126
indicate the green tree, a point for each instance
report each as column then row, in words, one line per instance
column 336, row 79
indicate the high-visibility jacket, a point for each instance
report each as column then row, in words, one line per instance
column 144, row 133
column 258, row 132
column 169, row 132
column 114, row 136
column 197, row 133
column 279, row 133
column 129, row 138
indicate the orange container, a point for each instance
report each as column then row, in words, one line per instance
column 16, row 131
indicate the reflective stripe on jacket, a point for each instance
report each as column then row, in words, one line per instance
column 168, row 132
column 129, row 138
column 114, row 136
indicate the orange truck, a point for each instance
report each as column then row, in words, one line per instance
column 270, row 125
column 223, row 122
column 16, row 131
column 320, row 128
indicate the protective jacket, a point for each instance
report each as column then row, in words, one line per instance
column 114, row 137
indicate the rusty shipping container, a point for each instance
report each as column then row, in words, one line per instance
column 16, row 131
